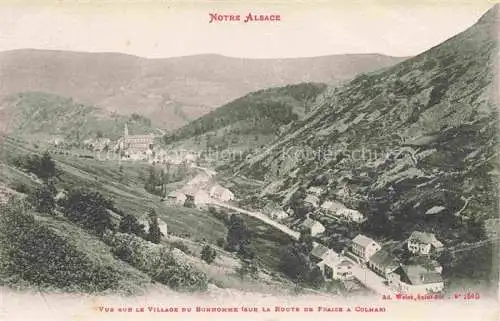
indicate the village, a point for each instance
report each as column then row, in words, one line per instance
column 128, row 147
column 365, row 260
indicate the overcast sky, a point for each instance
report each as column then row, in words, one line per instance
column 166, row 28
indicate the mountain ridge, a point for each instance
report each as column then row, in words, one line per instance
column 193, row 85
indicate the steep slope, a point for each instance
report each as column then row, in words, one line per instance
column 170, row 91
column 395, row 144
column 249, row 121
column 41, row 116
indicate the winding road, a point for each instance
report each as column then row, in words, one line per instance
column 366, row 276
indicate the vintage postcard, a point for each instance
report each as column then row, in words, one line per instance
column 251, row 160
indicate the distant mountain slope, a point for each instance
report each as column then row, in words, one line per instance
column 397, row 143
column 170, row 91
column 249, row 121
column 41, row 116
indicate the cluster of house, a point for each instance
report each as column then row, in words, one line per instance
column 332, row 208
column 199, row 191
column 328, row 208
column 138, row 147
column 420, row 274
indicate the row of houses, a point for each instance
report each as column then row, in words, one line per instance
column 199, row 191
column 419, row 275
column 331, row 207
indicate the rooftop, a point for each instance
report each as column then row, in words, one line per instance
column 319, row 251
column 383, row 258
column 309, row 223
column 424, row 237
column 311, row 199
column 332, row 205
column 417, row 274
column 363, row 240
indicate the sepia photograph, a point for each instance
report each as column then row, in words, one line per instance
column 260, row 160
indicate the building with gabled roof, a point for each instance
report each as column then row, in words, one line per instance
column 221, row 193
column 314, row 226
column 335, row 267
column 278, row 214
column 423, row 243
column 364, row 247
column 176, row 198
column 319, row 252
column 415, row 279
column 383, row 262
column 315, row 190
column 332, row 206
column 312, row 200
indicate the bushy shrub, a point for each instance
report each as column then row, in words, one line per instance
column 154, row 233
column 20, row 187
column 34, row 253
column 208, row 254
column 129, row 224
column 182, row 278
column 43, row 167
column 181, row 246
column 89, row 209
column 43, row 199
column 156, row 261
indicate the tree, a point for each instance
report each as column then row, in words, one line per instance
column 121, row 174
column 306, row 240
column 43, row 198
column 208, row 254
column 129, row 224
column 297, row 204
column 46, row 167
column 237, row 234
column 154, row 232
column 151, row 180
column 43, row 167
column 88, row 209
column 295, row 264
column 316, row 278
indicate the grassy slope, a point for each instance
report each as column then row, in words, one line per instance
column 195, row 225
column 52, row 253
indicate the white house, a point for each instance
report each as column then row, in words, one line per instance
column 364, row 247
column 312, row 200
column 315, row 190
column 334, row 267
column 196, row 197
column 332, row 206
column 339, row 210
column 351, row 215
column 199, row 179
column 415, row 279
column 423, row 243
column 176, row 198
column 220, row 193
column 314, row 226
column 435, row 210
column 278, row 214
